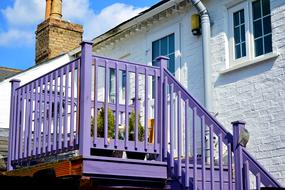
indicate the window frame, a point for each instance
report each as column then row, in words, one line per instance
column 249, row 36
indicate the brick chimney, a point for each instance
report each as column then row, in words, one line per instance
column 54, row 35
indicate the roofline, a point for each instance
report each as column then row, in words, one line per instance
column 10, row 69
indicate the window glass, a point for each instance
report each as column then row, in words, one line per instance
column 239, row 34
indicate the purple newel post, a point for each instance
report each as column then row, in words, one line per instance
column 14, row 85
column 85, row 99
column 237, row 148
column 162, row 139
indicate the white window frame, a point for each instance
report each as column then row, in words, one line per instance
column 249, row 37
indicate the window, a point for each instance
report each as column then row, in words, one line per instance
column 250, row 30
column 165, row 47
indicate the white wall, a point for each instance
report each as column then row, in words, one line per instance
column 25, row 77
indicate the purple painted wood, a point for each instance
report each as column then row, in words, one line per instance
column 107, row 71
column 45, row 114
column 95, row 101
column 14, row 85
column 21, row 127
column 55, row 117
column 17, row 126
column 165, row 119
column 66, row 105
column 171, row 111
column 71, row 141
column 39, row 149
column 246, row 177
column 31, row 122
column 127, row 108
column 203, row 126
column 156, row 111
column 230, row 185
column 136, row 131
column 15, row 119
column 60, row 109
column 27, row 115
column 85, row 99
column 237, row 125
column 117, row 106
column 257, row 181
column 194, row 149
column 146, row 110
column 221, row 162
column 78, row 103
column 179, row 131
column 212, row 156
column 187, row 142
column 49, row 113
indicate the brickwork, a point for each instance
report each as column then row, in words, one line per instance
column 55, row 36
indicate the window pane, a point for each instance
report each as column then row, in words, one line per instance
column 268, row 43
column 171, row 43
column 242, row 16
column 243, row 48
column 236, row 18
column 257, row 29
column 237, row 50
column 265, row 7
column 155, row 50
column 171, row 63
column 163, row 44
column 237, row 35
column 267, row 25
column 256, row 9
column 258, row 47
column 242, row 33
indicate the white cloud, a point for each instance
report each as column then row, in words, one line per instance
column 23, row 16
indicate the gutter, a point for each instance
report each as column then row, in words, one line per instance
column 206, row 32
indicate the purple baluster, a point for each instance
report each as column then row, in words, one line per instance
column 78, row 103
column 36, row 123
column 179, row 131
column 15, row 131
column 21, row 122
column 136, row 107
column 106, row 103
column 221, row 168
column 39, row 150
column 257, row 181
column 211, row 157
column 156, row 111
column 18, row 123
column 27, row 112
column 66, row 105
column 237, row 126
column 146, row 111
column 14, row 85
column 71, row 140
column 203, row 147
column 49, row 112
column 31, row 98
column 230, row 185
column 171, row 111
column 55, row 114
column 127, row 108
column 246, row 177
column 194, row 150
column 165, row 120
column 60, row 109
column 95, row 102
column 85, row 99
column 117, row 106
column 187, row 142
column 45, row 114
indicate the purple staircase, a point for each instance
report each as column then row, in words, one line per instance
column 184, row 147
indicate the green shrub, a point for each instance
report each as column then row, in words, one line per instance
column 100, row 124
column 132, row 124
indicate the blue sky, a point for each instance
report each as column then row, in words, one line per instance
column 19, row 19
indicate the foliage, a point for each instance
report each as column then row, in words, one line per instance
column 132, row 123
column 100, row 124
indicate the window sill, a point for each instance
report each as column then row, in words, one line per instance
column 250, row 62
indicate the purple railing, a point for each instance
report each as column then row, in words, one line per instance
column 54, row 113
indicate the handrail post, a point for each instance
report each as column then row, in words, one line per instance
column 14, row 85
column 237, row 148
column 162, row 138
column 85, row 99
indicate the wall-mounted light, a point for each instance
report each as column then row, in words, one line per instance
column 195, row 22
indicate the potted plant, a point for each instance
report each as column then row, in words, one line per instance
column 100, row 131
column 132, row 121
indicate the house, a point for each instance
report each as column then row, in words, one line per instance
column 238, row 76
